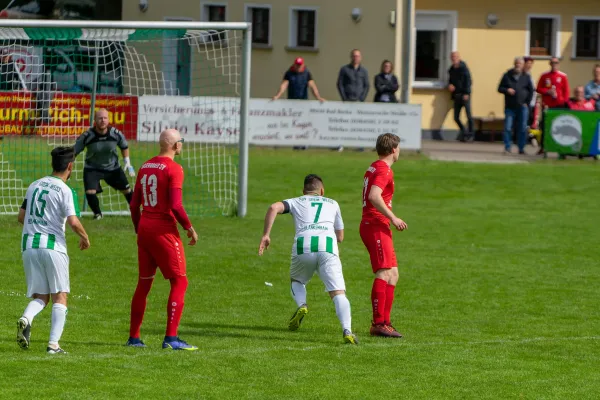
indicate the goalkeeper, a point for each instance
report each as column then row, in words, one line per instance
column 102, row 160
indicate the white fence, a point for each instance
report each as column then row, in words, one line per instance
column 281, row 122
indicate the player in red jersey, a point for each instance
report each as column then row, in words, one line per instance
column 158, row 190
column 376, row 234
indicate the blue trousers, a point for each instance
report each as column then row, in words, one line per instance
column 515, row 118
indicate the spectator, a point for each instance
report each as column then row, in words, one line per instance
column 459, row 85
column 532, row 116
column 386, row 84
column 554, row 88
column 579, row 102
column 592, row 89
column 297, row 80
column 517, row 88
column 353, row 79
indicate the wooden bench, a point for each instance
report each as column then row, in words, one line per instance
column 490, row 126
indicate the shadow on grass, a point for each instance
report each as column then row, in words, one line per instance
column 229, row 331
column 212, row 325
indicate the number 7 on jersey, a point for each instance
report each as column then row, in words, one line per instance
column 318, row 214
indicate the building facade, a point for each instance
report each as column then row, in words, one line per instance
column 488, row 35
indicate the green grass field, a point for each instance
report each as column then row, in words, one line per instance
column 498, row 296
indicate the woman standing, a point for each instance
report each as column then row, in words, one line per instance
column 386, row 84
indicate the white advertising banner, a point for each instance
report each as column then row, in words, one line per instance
column 280, row 123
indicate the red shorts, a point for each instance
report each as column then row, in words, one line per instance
column 160, row 250
column 377, row 238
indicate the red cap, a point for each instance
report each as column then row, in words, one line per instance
column 299, row 61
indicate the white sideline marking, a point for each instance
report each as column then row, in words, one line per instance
column 20, row 294
column 245, row 350
column 401, row 342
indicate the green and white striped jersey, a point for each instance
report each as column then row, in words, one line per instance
column 48, row 203
column 316, row 219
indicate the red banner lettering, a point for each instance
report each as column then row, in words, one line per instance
column 63, row 114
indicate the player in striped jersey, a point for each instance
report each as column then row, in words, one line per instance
column 48, row 205
column 319, row 229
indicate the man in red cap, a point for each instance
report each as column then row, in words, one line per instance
column 297, row 80
column 554, row 88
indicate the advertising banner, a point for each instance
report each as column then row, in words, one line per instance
column 280, row 123
column 572, row 132
column 64, row 114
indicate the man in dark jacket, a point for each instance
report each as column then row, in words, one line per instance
column 459, row 85
column 517, row 88
column 353, row 79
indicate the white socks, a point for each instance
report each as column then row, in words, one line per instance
column 33, row 308
column 299, row 293
column 59, row 315
column 342, row 309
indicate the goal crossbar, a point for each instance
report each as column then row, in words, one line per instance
column 151, row 25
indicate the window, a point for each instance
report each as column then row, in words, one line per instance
column 215, row 12
column 543, row 35
column 303, row 28
column 435, row 39
column 260, row 17
column 587, row 38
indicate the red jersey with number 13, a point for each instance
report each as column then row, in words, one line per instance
column 155, row 180
column 381, row 175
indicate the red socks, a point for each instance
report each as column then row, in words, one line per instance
column 378, row 299
column 175, row 306
column 138, row 306
column 389, row 300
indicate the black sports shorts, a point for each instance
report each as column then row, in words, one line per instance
column 115, row 179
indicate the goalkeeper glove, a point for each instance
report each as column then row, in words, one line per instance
column 128, row 166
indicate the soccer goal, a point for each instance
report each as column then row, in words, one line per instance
column 150, row 76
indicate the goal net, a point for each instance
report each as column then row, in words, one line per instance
column 176, row 75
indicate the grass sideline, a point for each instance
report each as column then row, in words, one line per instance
column 498, row 296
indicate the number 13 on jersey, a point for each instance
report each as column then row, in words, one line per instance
column 149, row 185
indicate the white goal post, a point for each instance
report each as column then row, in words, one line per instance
column 192, row 76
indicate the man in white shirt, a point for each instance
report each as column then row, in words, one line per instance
column 319, row 229
column 48, row 205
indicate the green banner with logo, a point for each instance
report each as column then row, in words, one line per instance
column 572, row 132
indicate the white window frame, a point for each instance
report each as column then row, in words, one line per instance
column 204, row 9
column 293, row 26
column 166, row 54
column 556, row 27
column 574, row 46
column 247, row 17
column 452, row 44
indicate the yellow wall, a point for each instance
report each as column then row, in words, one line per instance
column 490, row 52
column 337, row 35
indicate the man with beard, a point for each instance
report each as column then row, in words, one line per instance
column 49, row 204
